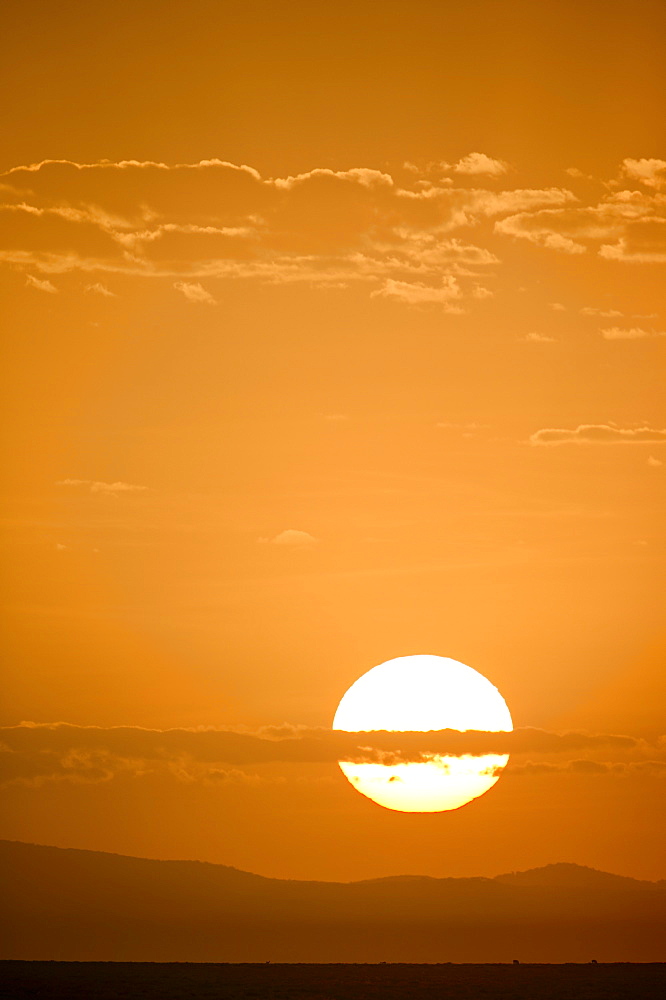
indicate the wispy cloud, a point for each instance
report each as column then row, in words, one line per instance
column 650, row 249
column 365, row 176
column 194, row 292
column 651, row 172
column 291, row 536
column 99, row 289
column 538, row 228
column 603, row 313
column 401, row 236
column 324, row 227
column 537, row 338
column 598, row 434
column 95, row 486
column 578, row 174
column 475, row 164
column 417, row 293
column 631, row 333
column 41, row 284
column 627, row 226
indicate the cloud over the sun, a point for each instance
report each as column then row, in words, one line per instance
column 37, row 753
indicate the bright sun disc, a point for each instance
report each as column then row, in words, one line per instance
column 419, row 694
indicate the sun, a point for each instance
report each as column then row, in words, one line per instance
column 423, row 693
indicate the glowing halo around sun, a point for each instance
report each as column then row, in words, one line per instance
column 420, row 694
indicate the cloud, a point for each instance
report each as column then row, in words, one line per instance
column 403, row 240
column 538, row 229
column 60, row 547
column 43, row 285
column 604, row 313
column 111, row 489
column 422, row 252
column 478, row 163
column 651, row 172
column 537, row 338
column 417, row 293
column 557, row 307
column 654, row 463
column 290, row 536
column 634, row 220
column 195, row 292
column 38, row 231
column 100, row 289
column 34, row 753
column 588, row 768
column 636, row 251
column 578, row 174
column 598, row 434
column 633, row 333
column 467, row 206
column 364, row 176
column 213, row 219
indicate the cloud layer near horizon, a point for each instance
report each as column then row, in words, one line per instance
column 35, row 753
column 419, row 236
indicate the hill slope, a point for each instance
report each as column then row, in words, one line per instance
column 84, row 905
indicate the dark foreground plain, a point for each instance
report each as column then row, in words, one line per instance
column 207, row 981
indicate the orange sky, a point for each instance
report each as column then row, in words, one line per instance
column 332, row 336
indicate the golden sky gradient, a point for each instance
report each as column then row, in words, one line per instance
column 332, row 335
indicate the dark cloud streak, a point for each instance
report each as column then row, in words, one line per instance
column 35, row 752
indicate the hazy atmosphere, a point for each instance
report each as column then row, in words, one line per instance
column 334, row 334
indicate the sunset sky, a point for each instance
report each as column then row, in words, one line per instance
column 334, row 333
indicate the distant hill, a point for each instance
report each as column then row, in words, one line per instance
column 566, row 874
column 84, row 906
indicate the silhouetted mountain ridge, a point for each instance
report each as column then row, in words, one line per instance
column 565, row 873
column 86, row 905
column 559, row 872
